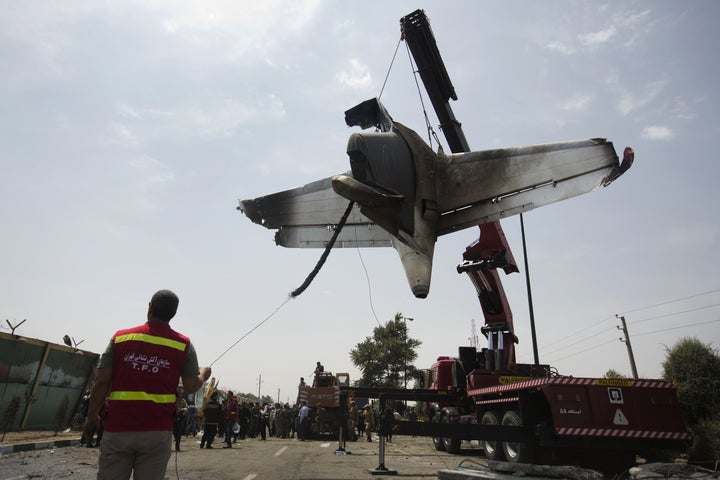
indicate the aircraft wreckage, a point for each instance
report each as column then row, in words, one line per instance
column 400, row 193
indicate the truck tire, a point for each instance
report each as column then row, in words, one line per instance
column 437, row 441
column 452, row 445
column 516, row 452
column 493, row 449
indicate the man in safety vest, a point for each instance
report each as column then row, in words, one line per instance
column 138, row 374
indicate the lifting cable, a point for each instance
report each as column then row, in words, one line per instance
column 387, row 75
column 431, row 131
column 305, row 284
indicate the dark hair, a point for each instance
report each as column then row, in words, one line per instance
column 164, row 305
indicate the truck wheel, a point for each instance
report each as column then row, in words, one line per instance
column 492, row 448
column 437, row 441
column 452, row 445
column 516, row 452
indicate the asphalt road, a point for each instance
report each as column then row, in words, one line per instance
column 413, row 458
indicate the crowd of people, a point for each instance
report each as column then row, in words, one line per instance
column 232, row 419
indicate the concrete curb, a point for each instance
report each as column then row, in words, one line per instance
column 26, row 447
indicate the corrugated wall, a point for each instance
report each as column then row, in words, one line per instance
column 49, row 379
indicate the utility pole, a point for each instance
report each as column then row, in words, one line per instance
column 533, row 334
column 259, row 384
column 405, row 320
column 627, row 343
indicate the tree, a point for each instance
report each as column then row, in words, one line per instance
column 385, row 359
column 610, row 374
column 695, row 368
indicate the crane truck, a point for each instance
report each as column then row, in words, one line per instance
column 596, row 422
column 609, row 420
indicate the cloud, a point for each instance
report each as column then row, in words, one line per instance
column 577, row 102
column 560, row 47
column 657, row 132
column 121, row 134
column 681, row 109
column 630, row 102
column 632, row 19
column 225, row 117
column 356, row 76
column 597, row 38
column 214, row 118
column 229, row 30
column 624, row 25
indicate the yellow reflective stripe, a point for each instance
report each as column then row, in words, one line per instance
column 143, row 337
column 153, row 397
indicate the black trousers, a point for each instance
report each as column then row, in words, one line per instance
column 178, row 430
column 209, row 432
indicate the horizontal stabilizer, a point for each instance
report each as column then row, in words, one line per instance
column 314, row 204
column 351, row 236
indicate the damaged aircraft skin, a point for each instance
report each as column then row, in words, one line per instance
column 406, row 195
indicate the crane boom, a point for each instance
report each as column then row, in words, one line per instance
column 491, row 250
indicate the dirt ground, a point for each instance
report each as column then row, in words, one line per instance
column 32, row 436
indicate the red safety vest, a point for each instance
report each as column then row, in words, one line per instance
column 147, row 363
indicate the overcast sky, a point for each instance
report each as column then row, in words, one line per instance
column 129, row 130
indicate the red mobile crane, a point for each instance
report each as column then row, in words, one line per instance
column 608, row 420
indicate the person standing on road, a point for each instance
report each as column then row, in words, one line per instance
column 303, row 421
column 352, row 418
column 264, row 420
column 138, row 375
column 179, row 419
column 320, row 419
column 230, row 418
column 212, row 415
column 191, row 424
column 369, row 422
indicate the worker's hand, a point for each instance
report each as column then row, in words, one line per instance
column 91, row 425
column 205, row 373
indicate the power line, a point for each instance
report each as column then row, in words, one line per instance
column 583, row 330
column 676, row 328
column 595, row 324
column 583, row 350
column 590, row 337
column 673, row 314
column 669, row 302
